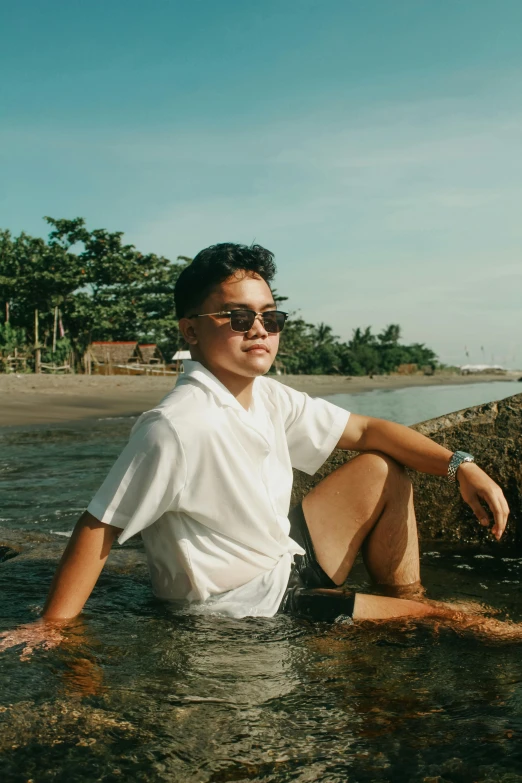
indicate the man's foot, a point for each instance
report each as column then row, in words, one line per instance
column 375, row 607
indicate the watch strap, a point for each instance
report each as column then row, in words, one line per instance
column 456, row 461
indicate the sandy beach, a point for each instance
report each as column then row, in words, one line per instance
column 43, row 399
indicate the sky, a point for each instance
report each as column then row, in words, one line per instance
column 375, row 146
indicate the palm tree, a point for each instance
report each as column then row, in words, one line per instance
column 391, row 335
column 323, row 334
column 362, row 338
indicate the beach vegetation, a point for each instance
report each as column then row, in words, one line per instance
column 78, row 286
column 307, row 348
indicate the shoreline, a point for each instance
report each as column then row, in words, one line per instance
column 51, row 399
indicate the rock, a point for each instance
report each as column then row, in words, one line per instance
column 7, row 552
column 493, row 434
column 29, row 546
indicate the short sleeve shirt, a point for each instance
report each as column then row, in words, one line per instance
column 207, row 484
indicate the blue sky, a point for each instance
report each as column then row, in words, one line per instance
column 374, row 145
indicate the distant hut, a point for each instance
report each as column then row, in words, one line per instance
column 108, row 357
column 151, row 354
column 407, row 369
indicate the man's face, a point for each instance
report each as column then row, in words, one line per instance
column 222, row 350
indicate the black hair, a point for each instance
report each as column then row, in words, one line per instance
column 215, row 264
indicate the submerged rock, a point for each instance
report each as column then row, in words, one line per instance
column 493, row 434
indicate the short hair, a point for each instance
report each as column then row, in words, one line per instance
column 215, row 264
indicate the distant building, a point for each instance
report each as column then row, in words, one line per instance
column 150, row 353
column 112, row 353
column 108, row 357
column 407, row 369
column 469, row 369
column 179, row 357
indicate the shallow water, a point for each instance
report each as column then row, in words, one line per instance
column 414, row 404
column 142, row 693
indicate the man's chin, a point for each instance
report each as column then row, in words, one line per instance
column 257, row 365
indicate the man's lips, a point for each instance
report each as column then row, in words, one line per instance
column 257, row 348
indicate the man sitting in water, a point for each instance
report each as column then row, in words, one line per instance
column 206, row 477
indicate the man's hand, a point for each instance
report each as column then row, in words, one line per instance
column 31, row 635
column 475, row 485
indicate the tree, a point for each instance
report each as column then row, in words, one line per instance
column 324, row 335
column 125, row 294
column 390, row 335
column 35, row 276
column 105, row 289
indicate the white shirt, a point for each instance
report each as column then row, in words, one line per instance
column 207, row 484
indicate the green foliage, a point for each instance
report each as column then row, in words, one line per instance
column 104, row 289
column 11, row 338
column 310, row 349
column 61, row 353
column 108, row 290
column 12, row 341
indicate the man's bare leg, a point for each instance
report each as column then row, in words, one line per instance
column 378, row 607
column 367, row 504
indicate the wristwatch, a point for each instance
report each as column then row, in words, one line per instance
column 457, row 459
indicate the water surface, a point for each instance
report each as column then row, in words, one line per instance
column 142, row 693
column 415, row 404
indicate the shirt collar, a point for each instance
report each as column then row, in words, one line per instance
column 195, row 371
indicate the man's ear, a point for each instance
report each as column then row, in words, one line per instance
column 186, row 327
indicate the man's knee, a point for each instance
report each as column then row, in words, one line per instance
column 385, row 469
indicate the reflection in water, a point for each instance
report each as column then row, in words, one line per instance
column 144, row 693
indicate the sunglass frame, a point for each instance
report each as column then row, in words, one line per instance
column 231, row 313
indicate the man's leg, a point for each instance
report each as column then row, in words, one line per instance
column 367, row 505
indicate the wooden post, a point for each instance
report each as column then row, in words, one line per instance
column 37, row 352
column 55, row 327
column 87, row 362
column 7, row 312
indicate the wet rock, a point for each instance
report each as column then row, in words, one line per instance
column 493, row 433
column 27, row 545
column 7, row 552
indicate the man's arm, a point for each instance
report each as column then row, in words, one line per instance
column 73, row 582
column 414, row 450
column 79, row 567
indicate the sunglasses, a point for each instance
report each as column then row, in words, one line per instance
column 243, row 320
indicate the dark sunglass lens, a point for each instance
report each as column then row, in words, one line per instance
column 274, row 321
column 242, row 320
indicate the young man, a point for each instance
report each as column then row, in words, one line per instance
column 206, row 477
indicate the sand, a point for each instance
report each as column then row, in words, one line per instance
column 44, row 399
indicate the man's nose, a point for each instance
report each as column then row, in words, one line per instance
column 258, row 327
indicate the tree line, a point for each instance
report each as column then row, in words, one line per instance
column 80, row 286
